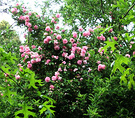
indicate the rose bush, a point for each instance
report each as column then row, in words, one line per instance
column 75, row 68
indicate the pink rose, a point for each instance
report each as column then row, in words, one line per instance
column 38, row 59
column 81, row 79
column 85, row 61
column 46, row 41
column 24, row 10
column 58, row 15
column 84, row 33
column 23, row 54
column 98, row 62
column 89, row 70
column 33, row 46
column 17, row 77
column 33, row 61
column 74, row 34
column 56, row 47
column 29, row 25
column 47, row 61
column 35, row 27
column 110, row 30
column 57, row 27
column 71, row 56
column 134, row 53
column 72, row 40
column 91, row 30
column 29, row 29
column 47, row 79
column 54, row 78
column 39, row 48
column 59, row 69
column 58, row 37
column 80, row 29
column 86, row 58
column 65, row 41
column 101, row 67
column 51, row 87
column 79, row 62
column 48, row 28
column 85, row 47
column 29, row 13
column 127, row 55
column 29, row 65
column 115, row 38
column 64, row 62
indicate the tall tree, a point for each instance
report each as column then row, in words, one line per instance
column 9, row 39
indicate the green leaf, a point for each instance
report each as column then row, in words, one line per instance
column 31, row 77
column 9, row 93
column 47, row 107
column 25, row 110
column 110, row 44
column 123, row 77
column 131, row 81
column 128, row 37
column 133, row 47
column 120, row 59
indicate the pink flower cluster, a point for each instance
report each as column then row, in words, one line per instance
column 101, row 51
column 86, row 33
column 27, row 53
column 14, row 10
column 101, row 67
column 102, row 38
column 47, row 39
column 26, row 18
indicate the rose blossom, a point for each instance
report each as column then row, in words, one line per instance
column 115, row 38
column 56, row 47
column 58, row 15
column 33, row 46
column 74, row 34
column 101, row 67
column 72, row 40
column 110, row 30
column 65, row 41
column 80, row 29
column 58, row 37
column 48, row 28
column 35, row 27
column 17, row 77
column 98, row 62
column 47, row 61
column 47, row 79
column 54, row 78
column 127, row 55
column 79, row 62
column 51, row 87
column 134, row 53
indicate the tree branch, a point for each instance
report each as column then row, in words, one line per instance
column 13, row 80
column 129, row 10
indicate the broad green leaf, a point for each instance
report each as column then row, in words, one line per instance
column 31, row 77
column 9, row 93
column 110, row 44
column 25, row 110
column 131, row 81
column 123, row 77
column 46, row 107
column 133, row 47
column 117, row 65
column 128, row 37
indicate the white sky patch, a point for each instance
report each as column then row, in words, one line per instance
column 30, row 4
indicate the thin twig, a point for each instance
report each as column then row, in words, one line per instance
column 13, row 80
column 129, row 10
